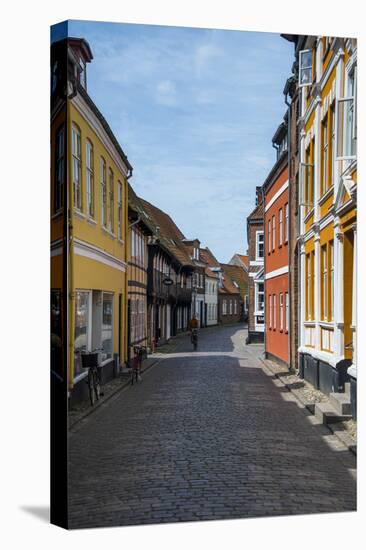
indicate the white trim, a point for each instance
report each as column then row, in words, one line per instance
column 87, row 250
column 276, row 195
column 276, row 272
column 256, row 263
column 329, row 358
column 85, row 111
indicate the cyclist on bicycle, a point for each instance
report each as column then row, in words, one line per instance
column 193, row 327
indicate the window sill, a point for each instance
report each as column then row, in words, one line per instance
column 308, row 215
column 326, row 324
column 326, row 195
column 79, row 214
column 91, row 221
column 120, row 241
column 109, row 232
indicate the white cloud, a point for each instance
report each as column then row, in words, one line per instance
column 166, row 93
column 204, row 55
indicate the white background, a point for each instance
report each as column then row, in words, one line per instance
column 24, row 185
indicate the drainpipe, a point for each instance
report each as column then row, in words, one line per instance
column 289, row 225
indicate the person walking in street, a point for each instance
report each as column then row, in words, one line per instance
column 193, row 327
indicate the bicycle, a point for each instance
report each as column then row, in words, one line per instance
column 90, row 361
column 194, row 338
column 140, row 354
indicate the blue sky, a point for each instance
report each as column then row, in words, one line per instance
column 195, row 111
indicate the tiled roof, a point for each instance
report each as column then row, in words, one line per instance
column 228, row 287
column 244, row 259
column 208, row 258
column 169, row 235
column 135, row 205
column 257, row 213
column 235, row 273
column 211, row 273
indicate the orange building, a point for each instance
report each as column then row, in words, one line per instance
column 276, row 256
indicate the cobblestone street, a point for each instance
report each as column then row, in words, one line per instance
column 206, row 435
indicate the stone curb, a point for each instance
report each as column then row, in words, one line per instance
column 96, row 406
column 333, row 428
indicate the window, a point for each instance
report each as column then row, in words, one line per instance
column 270, row 310
column 274, row 311
column 230, row 307
column 347, row 119
column 269, row 237
column 235, row 307
column 259, row 245
column 308, row 286
column 331, row 280
column 59, row 169
column 309, row 177
column 281, row 311
column 107, row 326
column 224, row 307
column 111, row 200
column 273, row 232
column 89, row 179
column 286, row 222
column 287, row 312
column 82, row 341
column 259, row 298
column 103, row 189
column 325, row 153
column 280, row 226
column 119, row 198
column 76, row 166
column 306, row 68
column 333, row 143
column 324, row 288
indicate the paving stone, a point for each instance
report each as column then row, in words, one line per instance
column 205, row 437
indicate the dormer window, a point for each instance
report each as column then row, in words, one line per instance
column 82, row 72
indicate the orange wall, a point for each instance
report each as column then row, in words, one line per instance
column 277, row 340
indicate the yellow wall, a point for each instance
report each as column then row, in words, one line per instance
column 91, row 274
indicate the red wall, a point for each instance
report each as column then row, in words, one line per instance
column 276, row 340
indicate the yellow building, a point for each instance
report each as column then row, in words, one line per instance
column 89, row 182
column 327, row 190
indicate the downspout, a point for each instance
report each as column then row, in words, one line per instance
column 289, row 226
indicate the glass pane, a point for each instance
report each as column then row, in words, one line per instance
column 81, row 327
column 107, row 319
column 306, row 59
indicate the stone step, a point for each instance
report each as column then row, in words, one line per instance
column 341, row 402
column 326, row 414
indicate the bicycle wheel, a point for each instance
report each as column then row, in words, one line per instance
column 91, row 386
column 96, row 385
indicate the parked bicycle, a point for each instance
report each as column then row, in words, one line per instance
column 140, row 355
column 90, row 361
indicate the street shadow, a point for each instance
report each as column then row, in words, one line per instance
column 40, row 512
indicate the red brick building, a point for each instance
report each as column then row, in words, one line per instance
column 276, row 257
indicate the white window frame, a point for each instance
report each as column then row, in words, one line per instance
column 273, row 233
column 281, row 311
column 111, row 199
column 257, row 243
column 331, row 261
column 256, row 298
column 76, row 167
column 270, row 311
column 280, row 228
column 286, row 222
column 274, row 311
column 303, row 67
column 287, row 317
column 341, row 138
column 230, row 307
column 120, row 209
column 103, row 191
column 89, row 167
column 324, row 260
column 269, row 236
column 59, row 169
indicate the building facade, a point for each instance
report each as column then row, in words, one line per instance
column 328, row 211
column 139, row 231
column 276, row 257
column 88, row 160
column 255, row 235
column 170, row 278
